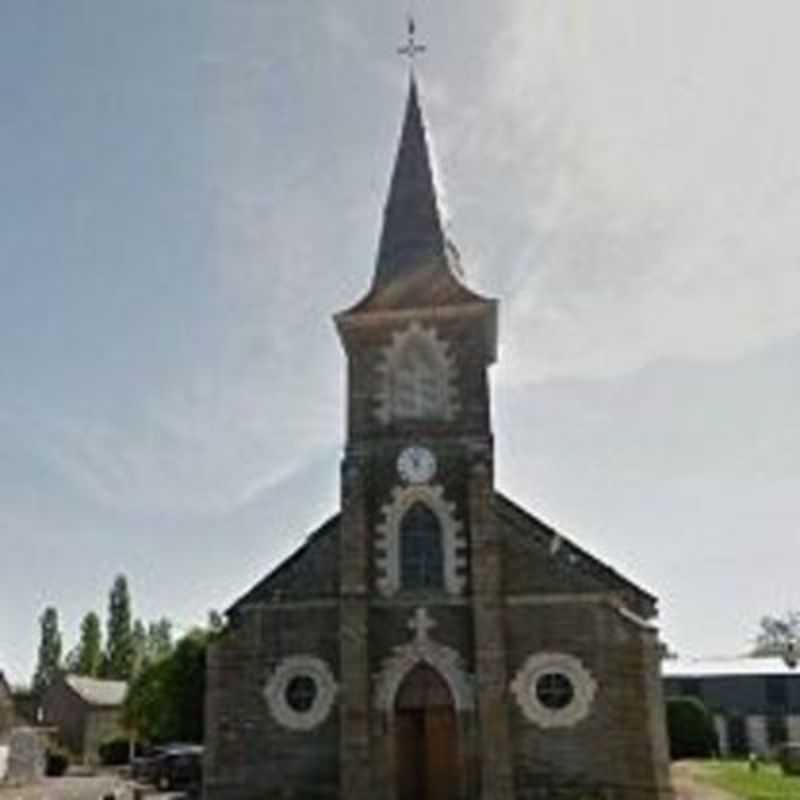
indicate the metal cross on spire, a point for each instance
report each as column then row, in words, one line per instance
column 411, row 48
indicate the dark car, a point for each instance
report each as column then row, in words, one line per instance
column 172, row 766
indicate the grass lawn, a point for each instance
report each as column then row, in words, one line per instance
column 768, row 783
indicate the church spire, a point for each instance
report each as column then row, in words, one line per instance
column 412, row 235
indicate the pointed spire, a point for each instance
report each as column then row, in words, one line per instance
column 412, row 235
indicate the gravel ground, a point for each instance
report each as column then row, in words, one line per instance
column 70, row 788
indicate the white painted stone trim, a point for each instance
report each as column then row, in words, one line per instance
column 793, row 727
column 388, row 366
column 523, row 687
column 387, row 539
column 757, row 741
column 275, row 692
column 721, row 728
column 422, row 649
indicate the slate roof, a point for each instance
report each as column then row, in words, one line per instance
column 726, row 667
column 97, row 692
column 412, row 228
column 312, row 569
column 417, row 266
column 578, row 558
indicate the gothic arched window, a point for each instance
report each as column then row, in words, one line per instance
column 419, row 381
column 421, row 549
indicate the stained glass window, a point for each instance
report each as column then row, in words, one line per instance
column 554, row 690
column 301, row 693
column 421, row 549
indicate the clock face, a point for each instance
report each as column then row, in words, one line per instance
column 416, row 464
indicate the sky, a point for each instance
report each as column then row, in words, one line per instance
column 192, row 188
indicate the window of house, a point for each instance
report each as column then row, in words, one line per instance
column 421, row 549
column 419, row 381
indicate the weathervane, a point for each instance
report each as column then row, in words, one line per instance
column 411, row 48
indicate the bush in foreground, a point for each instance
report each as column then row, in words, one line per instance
column 690, row 729
column 56, row 762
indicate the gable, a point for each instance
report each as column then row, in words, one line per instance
column 311, row 571
column 538, row 559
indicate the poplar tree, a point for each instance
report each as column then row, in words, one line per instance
column 120, row 649
column 48, row 661
column 159, row 639
column 89, row 657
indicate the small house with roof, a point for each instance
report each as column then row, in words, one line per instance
column 86, row 712
column 755, row 702
column 7, row 716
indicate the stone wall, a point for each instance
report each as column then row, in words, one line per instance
column 249, row 754
column 26, row 757
column 67, row 714
column 102, row 725
column 7, row 716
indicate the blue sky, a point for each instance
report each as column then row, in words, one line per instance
column 191, row 189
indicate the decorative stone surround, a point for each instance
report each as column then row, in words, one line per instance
column 422, row 649
column 584, row 686
column 389, row 367
column 277, row 684
column 387, row 540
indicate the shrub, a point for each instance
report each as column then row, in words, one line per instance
column 114, row 752
column 690, row 728
column 56, row 762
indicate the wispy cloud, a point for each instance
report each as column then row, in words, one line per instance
column 651, row 182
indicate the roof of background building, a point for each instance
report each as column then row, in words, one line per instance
column 725, row 667
column 97, row 692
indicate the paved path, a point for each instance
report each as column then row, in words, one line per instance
column 684, row 779
column 687, row 786
column 69, row 788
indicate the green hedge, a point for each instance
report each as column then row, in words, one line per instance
column 56, row 762
column 690, row 728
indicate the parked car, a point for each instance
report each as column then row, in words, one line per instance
column 170, row 766
column 179, row 768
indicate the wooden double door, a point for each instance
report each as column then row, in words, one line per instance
column 426, row 739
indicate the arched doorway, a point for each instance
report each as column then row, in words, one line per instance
column 426, row 746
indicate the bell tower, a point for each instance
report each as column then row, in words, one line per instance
column 417, row 474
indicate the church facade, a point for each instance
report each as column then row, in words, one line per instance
column 432, row 640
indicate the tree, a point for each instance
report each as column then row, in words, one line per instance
column 87, row 658
column 776, row 634
column 120, row 653
column 165, row 701
column 139, row 640
column 48, row 661
column 159, row 639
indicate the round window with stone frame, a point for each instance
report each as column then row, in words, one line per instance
column 300, row 692
column 554, row 690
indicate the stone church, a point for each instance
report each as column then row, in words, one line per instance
column 432, row 640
